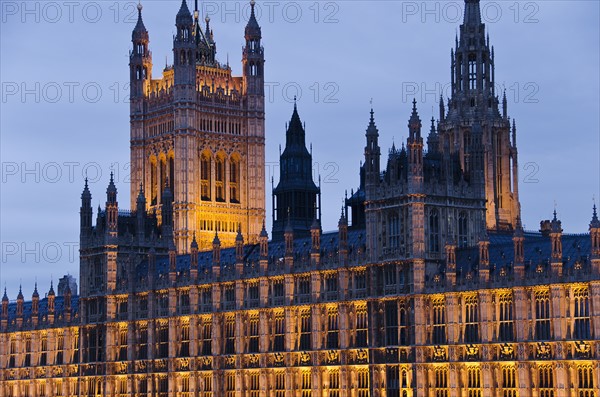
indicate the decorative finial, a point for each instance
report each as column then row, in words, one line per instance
column 139, row 6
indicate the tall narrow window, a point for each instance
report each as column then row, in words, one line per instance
column 305, row 330
column 234, row 180
column 390, row 278
column 434, row 231
column 184, row 344
column 334, row 383
column 230, row 335
column 463, row 229
column 122, row 340
column 439, row 321
column 392, row 383
column 43, row 351
column 220, row 179
column 391, row 323
column 253, row 336
column 206, row 385
column 162, row 340
column 585, row 381
column 361, row 327
column 581, row 314
column 542, row 315
column 142, row 352
column 163, row 386
column 254, row 385
column 394, row 231
column 441, row 382
column 362, row 383
column 279, row 384
column 473, row 382
column 60, row 346
column 403, row 326
column 306, row 384
column 205, row 171
column 546, row 381
column 472, row 72
column 163, row 177
column 332, row 329
column 206, row 337
column 471, row 320
column 279, row 332
column 506, row 324
column 509, row 381
column 172, row 177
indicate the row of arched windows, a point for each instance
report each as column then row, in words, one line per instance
column 220, row 175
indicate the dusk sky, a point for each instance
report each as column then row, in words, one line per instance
column 64, row 111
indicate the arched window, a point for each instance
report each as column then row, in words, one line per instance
column 472, row 72
column 172, row 176
column 471, row 320
column 163, row 176
column 434, row 231
column 205, row 170
column 220, row 179
column 234, row 180
column 153, row 182
column 506, row 333
column 581, row 326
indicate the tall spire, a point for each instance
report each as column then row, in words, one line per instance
column 184, row 17
column 139, row 32
column 252, row 28
column 472, row 13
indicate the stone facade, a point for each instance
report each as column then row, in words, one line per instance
column 201, row 131
column 432, row 290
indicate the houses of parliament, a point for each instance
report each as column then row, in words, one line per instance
column 430, row 287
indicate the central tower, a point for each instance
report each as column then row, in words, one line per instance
column 201, row 132
column 474, row 102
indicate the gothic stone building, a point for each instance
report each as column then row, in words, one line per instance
column 201, row 131
column 432, row 290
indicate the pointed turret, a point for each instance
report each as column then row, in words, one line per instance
column 556, row 260
column 372, row 154
column 35, row 305
column 140, row 59
column 343, row 238
column 140, row 213
column 51, row 297
column 595, row 242
column 472, row 13
column 216, row 256
column 194, row 259
column 184, row 51
column 415, row 152
column 263, row 240
column 85, row 212
column 296, row 197
column 184, row 16
column 4, row 310
column 253, row 57
column 112, row 208
column 519, row 250
column 19, row 313
column 239, row 246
